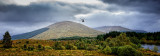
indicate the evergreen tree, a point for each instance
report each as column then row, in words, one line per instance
column 7, row 43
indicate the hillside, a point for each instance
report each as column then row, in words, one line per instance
column 67, row 29
column 108, row 29
column 29, row 34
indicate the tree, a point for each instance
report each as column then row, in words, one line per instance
column 107, row 50
column 7, row 43
column 127, row 51
column 155, row 49
column 120, row 40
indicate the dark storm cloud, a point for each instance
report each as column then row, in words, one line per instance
column 40, row 12
column 145, row 6
column 16, row 18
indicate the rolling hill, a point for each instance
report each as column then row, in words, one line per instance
column 108, row 29
column 61, row 29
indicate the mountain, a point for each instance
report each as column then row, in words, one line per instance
column 108, row 29
column 62, row 29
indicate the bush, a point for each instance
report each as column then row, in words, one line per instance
column 134, row 46
column 100, row 37
column 91, row 48
column 58, row 46
column 148, row 49
column 74, row 48
column 114, row 50
column 48, row 47
column 134, row 40
column 127, row 51
column 100, row 47
column 30, row 48
column 25, row 47
column 27, row 42
column 63, row 48
column 39, row 46
column 71, row 47
column 107, row 50
column 155, row 49
column 120, row 40
column 81, row 45
column 139, row 46
column 138, row 53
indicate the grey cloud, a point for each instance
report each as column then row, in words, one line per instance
column 14, row 18
column 41, row 12
column 137, row 21
column 145, row 6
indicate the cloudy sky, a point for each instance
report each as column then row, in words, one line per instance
column 20, row 16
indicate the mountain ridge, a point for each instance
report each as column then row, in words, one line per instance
column 108, row 29
column 64, row 29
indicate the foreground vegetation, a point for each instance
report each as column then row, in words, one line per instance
column 120, row 45
column 30, row 47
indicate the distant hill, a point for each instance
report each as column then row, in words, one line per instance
column 139, row 31
column 61, row 29
column 108, row 29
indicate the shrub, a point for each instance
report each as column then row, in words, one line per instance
column 30, row 48
column 71, row 47
column 139, row 45
column 39, row 46
column 126, row 51
column 63, row 48
column 27, row 42
column 48, row 47
column 100, row 47
column 107, row 50
column 81, row 45
column 134, row 46
column 108, row 39
column 138, row 53
column 155, row 49
column 74, row 48
column 100, row 37
column 114, row 50
column 25, row 46
column 91, row 48
column 134, row 40
column 148, row 49
column 120, row 40
column 58, row 46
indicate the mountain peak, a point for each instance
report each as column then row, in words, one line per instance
column 67, row 29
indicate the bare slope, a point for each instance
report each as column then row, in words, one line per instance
column 67, row 29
